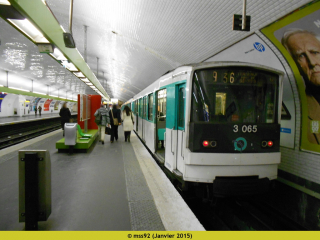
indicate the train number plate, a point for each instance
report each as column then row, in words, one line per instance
column 246, row 128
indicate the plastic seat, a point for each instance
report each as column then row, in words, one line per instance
column 83, row 134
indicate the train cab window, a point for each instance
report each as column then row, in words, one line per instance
column 150, row 107
column 234, row 94
column 220, row 108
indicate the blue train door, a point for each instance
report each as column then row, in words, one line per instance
column 180, row 113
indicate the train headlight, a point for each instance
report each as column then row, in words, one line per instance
column 213, row 143
column 264, row 143
column 267, row 144
column 205, row 143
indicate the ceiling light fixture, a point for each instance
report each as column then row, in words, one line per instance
column 58, row 55
column 19, row 89
column 29, row 29
column 39, row 93
column 68, row 65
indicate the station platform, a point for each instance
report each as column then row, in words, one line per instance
column 28, row 118
column 113, row 187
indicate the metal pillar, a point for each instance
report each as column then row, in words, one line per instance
column 244, row 15
column 85, row 59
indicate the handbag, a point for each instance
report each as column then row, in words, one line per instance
column 108, row 131
column 115, row 120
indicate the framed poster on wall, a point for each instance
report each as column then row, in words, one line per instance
column 297, row 36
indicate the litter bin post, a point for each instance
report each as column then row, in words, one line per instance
column 34, row 187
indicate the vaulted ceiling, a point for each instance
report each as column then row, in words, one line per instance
column 133, row 42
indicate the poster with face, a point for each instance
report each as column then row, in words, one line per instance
column 297, row 36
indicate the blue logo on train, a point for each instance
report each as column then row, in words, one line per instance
column 259, row 47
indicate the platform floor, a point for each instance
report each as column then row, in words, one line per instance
column 28, row 118
column 115, row 186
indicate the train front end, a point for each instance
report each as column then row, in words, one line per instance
column 234, row 130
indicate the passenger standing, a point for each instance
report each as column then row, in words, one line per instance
column 114, row 114
column 128, row 122
column 40, row 108
column 102, row 119
column 35, row 111
column 65, row 115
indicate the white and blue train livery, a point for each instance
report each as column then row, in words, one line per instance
column 214, row 124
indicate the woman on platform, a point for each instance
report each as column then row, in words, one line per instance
column 127, row 122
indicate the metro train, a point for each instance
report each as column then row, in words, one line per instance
column 214, row 126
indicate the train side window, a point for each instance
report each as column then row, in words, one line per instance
column 162, row 105
column 140, row 107
column 150, row 107
column 181, row 116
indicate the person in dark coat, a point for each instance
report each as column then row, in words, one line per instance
column 116, row 113
column 65, row 115
column 40, row 108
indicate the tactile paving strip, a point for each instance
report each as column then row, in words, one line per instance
column 143, row 211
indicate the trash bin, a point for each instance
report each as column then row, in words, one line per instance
column 70, row 134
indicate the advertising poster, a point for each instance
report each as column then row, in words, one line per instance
column 254, row 50
column 297, row 36
column 2, row 95
column 47, row 104
column 34, row 104
column 56, row 105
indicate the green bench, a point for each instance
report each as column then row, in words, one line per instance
column 83, row 135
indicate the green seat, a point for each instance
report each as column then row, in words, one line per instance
column 83, row 134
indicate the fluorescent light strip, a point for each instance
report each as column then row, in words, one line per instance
column 79, row 74
column 29, row 29
column 84, row 80
column 89, row 84
column 62, row 28
column 4, row 2
column 39, row 93
column 19, row 89
column 57, row 54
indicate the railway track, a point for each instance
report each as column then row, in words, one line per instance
column 20, row 132
column 241, row 214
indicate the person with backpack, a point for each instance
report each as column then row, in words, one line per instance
column 115, row 121
column 102, row 119
column 127, row 123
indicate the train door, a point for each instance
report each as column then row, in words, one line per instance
column 144, row 116
column 180, row 108
column 140, row 117
column 161, row 112
column 137, row 114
